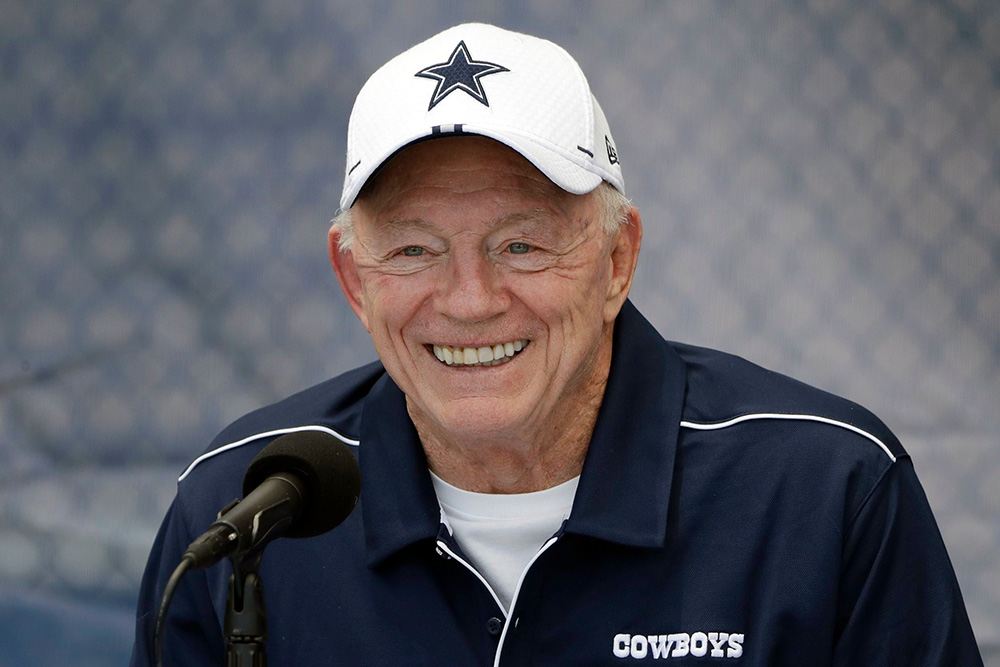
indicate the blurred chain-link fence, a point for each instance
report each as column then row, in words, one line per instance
column 819, row 182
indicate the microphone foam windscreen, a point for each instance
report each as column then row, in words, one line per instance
column 326, row 467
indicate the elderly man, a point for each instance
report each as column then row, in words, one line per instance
column 546, row 480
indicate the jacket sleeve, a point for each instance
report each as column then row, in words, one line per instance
column 193, row 630
column 899, row 599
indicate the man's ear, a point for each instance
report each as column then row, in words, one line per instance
column 624, row 255
column 347, row 274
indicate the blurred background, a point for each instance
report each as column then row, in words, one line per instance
column 819, row 181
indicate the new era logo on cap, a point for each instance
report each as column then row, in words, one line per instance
column 539, row 103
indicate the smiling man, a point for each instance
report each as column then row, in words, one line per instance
column 546, row 480
column 491, row 295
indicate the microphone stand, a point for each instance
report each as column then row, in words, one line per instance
column 246, row 617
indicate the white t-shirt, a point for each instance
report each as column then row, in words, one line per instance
column 502, row 532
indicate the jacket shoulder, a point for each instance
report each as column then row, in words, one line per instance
column 334, row 406
column 336, row 403
column 725, row 389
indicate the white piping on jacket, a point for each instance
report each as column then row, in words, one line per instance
column 698, row 426
column 258, row 436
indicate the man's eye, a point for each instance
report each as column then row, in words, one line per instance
column 413, row 251
column 518, row 248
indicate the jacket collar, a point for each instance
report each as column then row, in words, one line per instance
column 398, row 502
column 624, row 489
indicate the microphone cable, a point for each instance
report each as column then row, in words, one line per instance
column 161, row 614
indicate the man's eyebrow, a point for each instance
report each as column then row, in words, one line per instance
column 536, row 215
column 402, row 224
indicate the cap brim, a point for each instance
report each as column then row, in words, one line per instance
column 561, row 169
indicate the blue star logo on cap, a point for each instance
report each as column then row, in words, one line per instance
column 461, row 72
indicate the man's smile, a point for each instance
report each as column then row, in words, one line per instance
column 487, row 355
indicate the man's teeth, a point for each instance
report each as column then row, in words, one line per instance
column 479, row 356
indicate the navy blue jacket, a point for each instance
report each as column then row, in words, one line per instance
column 725, row 515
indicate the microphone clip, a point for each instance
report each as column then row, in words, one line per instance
column 246, row 615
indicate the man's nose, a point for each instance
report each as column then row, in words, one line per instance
column 471, row 289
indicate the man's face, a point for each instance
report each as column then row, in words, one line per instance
column 463, row 245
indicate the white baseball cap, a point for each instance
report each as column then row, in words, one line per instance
column 523, row 91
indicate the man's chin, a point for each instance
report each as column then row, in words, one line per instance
column 477, row 418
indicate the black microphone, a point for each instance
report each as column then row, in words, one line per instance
column 301, row 485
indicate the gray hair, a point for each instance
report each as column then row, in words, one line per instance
column 614, row 213
column 614, row 207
